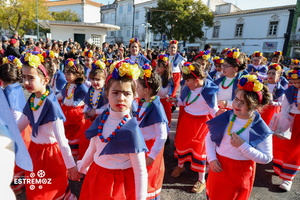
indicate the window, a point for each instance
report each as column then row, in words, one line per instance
column 136, row 32
column 105, row 18
column 239, row 30
column 112, row 33
column 273, row 28
column 137, row 13
column 129, row 8
column 96, row 39
column 112, row 16
column 216, row 31
column 121, row 10
column 128, row 33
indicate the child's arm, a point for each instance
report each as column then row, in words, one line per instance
column 140, row 174
column 22, row 122
column 214, row 164
column 213, row 111
column 278, row 102
column 84, row 164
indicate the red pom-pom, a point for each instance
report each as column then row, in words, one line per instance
column 123, row 121
column 108, row 139
column 99, row 134
column 249, row 86
column 113, row 133
column 107, row 112
column 102, row 140
column 118, row 127
column 102, row 121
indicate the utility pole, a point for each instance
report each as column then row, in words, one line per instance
column 37, row 18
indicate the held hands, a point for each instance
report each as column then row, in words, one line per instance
column 215, row 166
column 220, row 111
column 236, row 140
column 222, row 104
column 73, row 174
column 90, row 114
column 172, row 100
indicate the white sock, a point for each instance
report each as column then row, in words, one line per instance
column 201, row 177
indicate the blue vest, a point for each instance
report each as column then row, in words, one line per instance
column 283, row 81
column 102, row 101
column 177, row 59
column 60, row 79
column 79, row 93
column 289, row 94
column 141, row 59
column 251, row 68
column 15, row 96
column 278, row 92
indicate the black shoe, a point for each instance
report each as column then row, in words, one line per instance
column 173, row 108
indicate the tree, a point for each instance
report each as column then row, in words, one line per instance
column 18, row 15
column 66, row 15
column 180, row 19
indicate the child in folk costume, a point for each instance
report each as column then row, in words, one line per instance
column 135, row 55
column 294, row 63
column 277, row 57
column 153, row 123
column 49, row 149
column 203, row 58
column 276, row 90
column 218, row 61
column 238, row 139
column 166, row 88
column 200, row 105
column 115, row 160
column 10, row 76
column 72, row 97
column 233, row 68
column 286, row 162
column 257, row 66
column 88, row 61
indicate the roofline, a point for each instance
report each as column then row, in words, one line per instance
column 71, row 2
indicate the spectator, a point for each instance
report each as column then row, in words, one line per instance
column 5, row 42
column 13, row 48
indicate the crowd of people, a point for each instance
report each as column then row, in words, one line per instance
column 102, row 115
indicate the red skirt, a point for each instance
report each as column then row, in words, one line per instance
column 83, row 141
column 168, row 109
column 190, row 140
column 74, row 126
column 108, row 184
column 286, row 153
column 235, row 182
column 49, row 166
column 268, row 112
column 176, row 79
column 156, row 173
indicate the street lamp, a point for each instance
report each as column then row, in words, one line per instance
column 37, row 24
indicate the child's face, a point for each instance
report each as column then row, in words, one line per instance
column 218, row 67
column 228, row 70
column 202, row 63
column 173, row 49
column 120, row 96
column 33, row 81
column 97, row 82
column 239, row 106
column 292, row 66
column 256, row 60
column 88, row 61
column 273, row 76
column 160, row 69
column 141, row 91
column 275, row 60
column 70, row 77
column 296, row 83
column 192, row 83
column 134, row 49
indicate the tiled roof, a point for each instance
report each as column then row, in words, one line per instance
column 287, row 7
column 72, row 2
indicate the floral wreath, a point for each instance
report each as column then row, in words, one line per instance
column 295, row 61
column 173, row 42
column 257, row 54
column 189, row 68
column 218, row 60
column 146, row 71
column 275, row 66
column 98, row 64
column 251, row 83
column 205, row 55
column 72, row 63
column 277, row 53
column 293, row 74
column 13, row 60
column 109, row 61
column 124, row 68
column 225, row 50
column 88, row 53
column 233, row 53
column 49, row 53
column 163, row 57
column 34, row 61
column 133, row 40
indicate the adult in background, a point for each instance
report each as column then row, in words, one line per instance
column 5, row 42
column 13, row 48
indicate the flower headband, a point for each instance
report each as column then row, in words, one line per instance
column 173, row 42
column 205, row 55
column 109, row 61
column 163, row 57
column 233, row 53
column 13, row 60
column 218, row 60
column 88, row 53
column 293, row 74
column 257, row 54
column 295, row 61
column 189, row 68
column 277, row 53
column 275, row 66
column 72, row 63
column 146, row 71
column 49, row 53
column 133, row 40
column 225, row 51
column 34, row 61
column 98, row 64
column 251, row 83
column 124, row 68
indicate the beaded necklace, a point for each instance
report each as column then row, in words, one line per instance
column 295, row 96
column 140, row 106
column 188, row 97
column 72, row 92
column 91, row 97
column 113, row 134
column 226, row 87
column 242, row 129
column 35, row 108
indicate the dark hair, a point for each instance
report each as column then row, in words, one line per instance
column 240, row 62
column 94, row 72
column 167, row 75
column 78, row 70
column 48, row 68
column 121, row 80
column 207, row 46
column 199, row 72
column 10, row 73
column 154, row 83
column 138, row 43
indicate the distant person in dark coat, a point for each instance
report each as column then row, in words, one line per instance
column 13, row 48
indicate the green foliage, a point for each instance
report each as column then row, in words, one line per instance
column 66, row 15
column 180, row 19
column 18, row 15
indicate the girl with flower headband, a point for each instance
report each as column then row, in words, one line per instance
column 277, row 57
column 277, row 92
column 115, row 160
column 72, row 96
column 199, row 100
column 218, row 61
column 176, row 62
column 135, row 55
column 238, row 139
column 233, row 68
column 10, row 76
column 153, row 123
column 88, row 61
column 49, row 149
column 257, row 67
column 203, row 59
column 166, row 88
column 286, row 161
